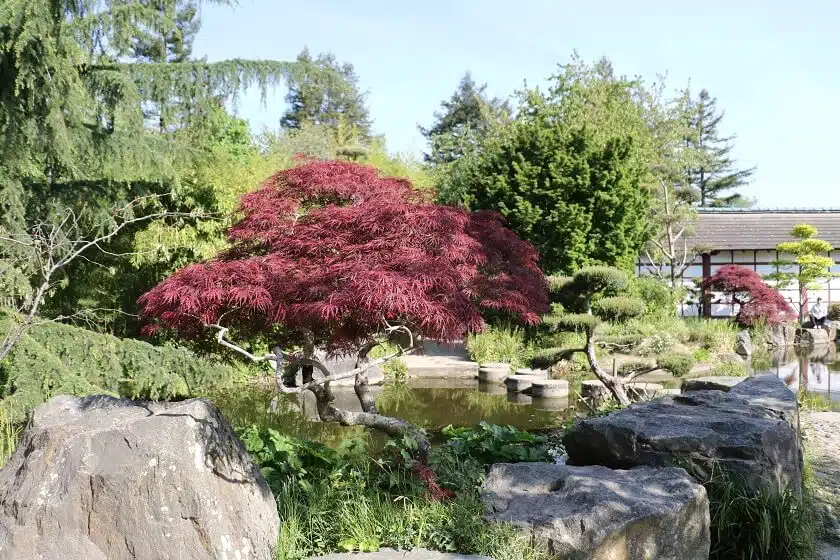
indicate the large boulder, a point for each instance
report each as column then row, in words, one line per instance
column 102, row 478
column 749, row 432
column 781, row 335
column 589, row 513
column 813, row 337
column 711, row 382
column 743, row 344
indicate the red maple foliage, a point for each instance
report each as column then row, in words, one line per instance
column 333, row 248
column 758, row 301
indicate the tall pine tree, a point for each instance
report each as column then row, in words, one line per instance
column 464, row 119
column 713, row 175
column 324, row 92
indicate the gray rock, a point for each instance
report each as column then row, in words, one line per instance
column 781, row 335
column 743, row 344
column 749, row 432
column 550, row 388
column 712, row 382
column 638, row 390
column 493, row 372
column 104, row 478
column 731, row 358
column 813, row 337
column 519, row 383
column 391, row 554
column 590, row 513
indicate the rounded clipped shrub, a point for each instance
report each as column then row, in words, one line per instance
column 619, row 308
column 834, row 312
column 547, row 357
column 602, row 279
column 658, row 297
column 576, row 322
column 677, row 363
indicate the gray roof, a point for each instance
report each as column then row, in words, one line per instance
column 761, row 229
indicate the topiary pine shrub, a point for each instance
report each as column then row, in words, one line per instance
column 331, row 255
column 758, row 302
column 591, row 297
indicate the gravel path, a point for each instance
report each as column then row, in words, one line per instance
column 821, row 431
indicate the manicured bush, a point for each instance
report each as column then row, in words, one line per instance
column 678, row 364
column 576, row 322
column 659, row 299
column 618, row 308
column 834, row 312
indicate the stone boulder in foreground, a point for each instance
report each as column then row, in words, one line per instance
column 750, row 432
column 596, row 513
column 100, row 478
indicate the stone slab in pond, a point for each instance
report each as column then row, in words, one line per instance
column 712, row 382
column 493, row 372
column 519, row 383
column 592, row 388
column 749, row 432
column 100, row 478
column 391, row 554
column 550, row 388
column 595, row 513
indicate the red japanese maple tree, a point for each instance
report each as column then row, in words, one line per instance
column 757, row 300
column 332, row 255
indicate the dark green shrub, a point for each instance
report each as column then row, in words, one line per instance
column 618, row 308
column 678, row 364
column 575, row 321
column 834, row 312
column 547, row 357
column 622, row 342
column 659, row 299
column 53, row 358
column 602, row 279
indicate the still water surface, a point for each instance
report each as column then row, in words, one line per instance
column 436, row 403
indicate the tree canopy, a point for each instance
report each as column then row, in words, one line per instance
column 567, row 173
column 758, row 302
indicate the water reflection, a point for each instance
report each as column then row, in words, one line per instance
column 429, row 403
column 814, row 369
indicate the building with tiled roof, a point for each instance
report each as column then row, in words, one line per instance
column 749, row 237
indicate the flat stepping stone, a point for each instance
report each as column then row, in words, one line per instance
column 520, row 383
column 391, row 554
column 550, row 388
column 493, row 372
column 596, row 512
column 594, row 389
column 711, row 382
column 541, row 373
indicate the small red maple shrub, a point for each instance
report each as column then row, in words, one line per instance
column 758, row 301
column 334, row 249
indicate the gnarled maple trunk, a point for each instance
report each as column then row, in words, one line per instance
column 614, row 383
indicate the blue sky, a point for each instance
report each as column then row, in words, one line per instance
column 773, row 65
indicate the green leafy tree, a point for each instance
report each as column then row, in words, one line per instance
column 590, row 297
column 714, row 173
column 325, row 92
column 810, row 266
column 568, row 172
column 464, row 119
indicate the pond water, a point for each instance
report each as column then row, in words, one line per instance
column 436, row 403
column 430, row 404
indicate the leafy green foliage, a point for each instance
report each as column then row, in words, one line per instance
column 499, row 344
column 325, row 92
column 717, row 336
column 660, row 299
column 576, row 322
column 657, row 345
column 618, row 308
column 490, row 443
column 834, row 312
column 730, row 369
column 567, row 172
column 54, row 359
column 768, row 524
column 810, row 265
column 678, row 364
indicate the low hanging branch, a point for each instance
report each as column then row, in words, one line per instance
column 47, row 248
column 343, row 258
